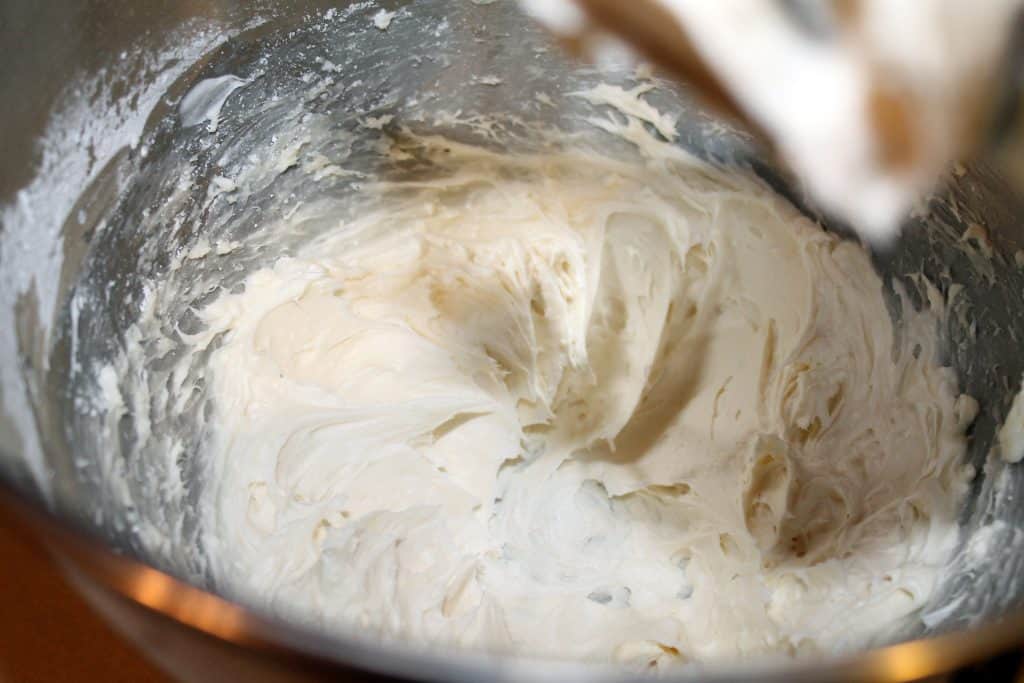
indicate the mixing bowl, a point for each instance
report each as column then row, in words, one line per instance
column 159, row 142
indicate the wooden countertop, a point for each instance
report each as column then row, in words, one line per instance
column 48, row 634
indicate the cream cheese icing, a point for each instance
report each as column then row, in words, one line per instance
column 564, row 405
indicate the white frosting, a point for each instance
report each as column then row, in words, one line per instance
column 563, row 405
column 383, row 19
column 1011, row 434
column 206, row 99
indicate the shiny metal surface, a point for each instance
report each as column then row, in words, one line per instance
column 70, row 315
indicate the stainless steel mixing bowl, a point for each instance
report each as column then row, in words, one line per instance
column 114, row 165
